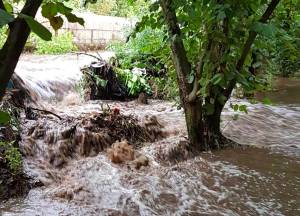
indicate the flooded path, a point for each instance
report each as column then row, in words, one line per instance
column 250, row 181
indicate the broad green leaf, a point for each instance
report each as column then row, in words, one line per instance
column 4, row 117
column 37, row 28
column 73, row 19
column 5, row 18
column 8, row 7
column 56, row 22
column 49, row 10
column 63, row 9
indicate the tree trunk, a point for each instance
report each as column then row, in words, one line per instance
column 203, row 130
column 15, row 43
column 193, row 118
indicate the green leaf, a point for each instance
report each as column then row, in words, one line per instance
column 49, row 10
column 264, row 29
column 134, row 78
column 8, row 7
column 56, row 22
column 5, row 18
column 217, row 78
column 210, row 109
column 222, row 99
column 243, row 108
column 37, row 28
column 74, row 19
column 4, row 117
column 267, row 101
column 63, row 9
column 235, row 107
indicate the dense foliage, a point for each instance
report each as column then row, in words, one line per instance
column 60, row 44
column 10, row 125
column 149, row 50
column 121, row 8
column 286, row 42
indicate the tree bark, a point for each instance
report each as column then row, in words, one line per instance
column 15, row 43
column 203, row 130
column 191, row 104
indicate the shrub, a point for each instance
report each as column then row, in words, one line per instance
column 60, row 44
column 149, row 50
column 12, row 156
column 135, row 83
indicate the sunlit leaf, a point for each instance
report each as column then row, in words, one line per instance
column 4, row 117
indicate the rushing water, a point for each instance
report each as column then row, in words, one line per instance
column 250, row 181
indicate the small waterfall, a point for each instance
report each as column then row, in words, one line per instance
column 51, row 77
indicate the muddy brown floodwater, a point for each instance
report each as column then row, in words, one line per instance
column 263, row 180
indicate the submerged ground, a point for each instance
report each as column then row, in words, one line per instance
column 250, row 181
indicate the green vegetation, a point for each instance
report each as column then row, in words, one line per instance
column 9, row 121
column 134, row 83
column 286, row 43
column 149, row 50
column 215, row 45
column 12, row 156
column 121, row 8
column 60, row 44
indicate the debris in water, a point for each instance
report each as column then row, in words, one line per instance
column 100, row 82
column 121, row 152
column 143, row 98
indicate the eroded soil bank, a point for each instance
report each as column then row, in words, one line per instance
column 81, row 179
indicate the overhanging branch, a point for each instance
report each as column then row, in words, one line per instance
column 251, row 38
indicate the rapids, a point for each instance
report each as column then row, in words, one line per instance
column 250, row 181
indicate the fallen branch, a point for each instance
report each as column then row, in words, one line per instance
column 91, row 55
column 46, row 112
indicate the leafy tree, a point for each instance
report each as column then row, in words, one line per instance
column 121, row 8
column 20, row 23
column 286, row 43
column 211, row 43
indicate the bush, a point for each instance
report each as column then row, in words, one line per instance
column 134, row 83
column 63, row 43
column 12, row 156
column 149, row 50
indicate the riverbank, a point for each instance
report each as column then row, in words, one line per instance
column 13, row 181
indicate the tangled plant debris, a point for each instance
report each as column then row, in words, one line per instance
column 58, row 141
